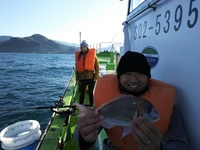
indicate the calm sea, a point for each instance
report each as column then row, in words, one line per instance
column 31, row 80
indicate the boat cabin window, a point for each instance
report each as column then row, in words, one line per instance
column 138, row 6
column 134, row 4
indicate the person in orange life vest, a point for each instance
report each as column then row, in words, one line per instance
column 87, row 70
column 134, row 77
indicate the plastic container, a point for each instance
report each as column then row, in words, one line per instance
column 21, row 135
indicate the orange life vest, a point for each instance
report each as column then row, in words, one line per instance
column 86, row 63
column 160, row 94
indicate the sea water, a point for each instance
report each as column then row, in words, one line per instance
column 29, row 81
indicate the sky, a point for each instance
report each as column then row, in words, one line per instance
column 63, row 20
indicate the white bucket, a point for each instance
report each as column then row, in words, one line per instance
column 20, row 135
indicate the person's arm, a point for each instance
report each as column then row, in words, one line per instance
column 77, row 74
column 88, row 128
column 176, row 137
column 82, row 144
column 148, row 137
column 96, row 67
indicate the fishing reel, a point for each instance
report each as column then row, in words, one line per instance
column 63, row 113
column 59, row 103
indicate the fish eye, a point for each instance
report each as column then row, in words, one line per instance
column 149, row 110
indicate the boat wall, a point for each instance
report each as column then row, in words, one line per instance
column 169, row 38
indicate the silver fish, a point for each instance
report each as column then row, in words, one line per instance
column 121, row 111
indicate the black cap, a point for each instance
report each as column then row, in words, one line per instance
column 133, row 62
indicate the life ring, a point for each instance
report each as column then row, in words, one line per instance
column 20, row 134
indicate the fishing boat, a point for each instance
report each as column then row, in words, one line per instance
column 167, row 33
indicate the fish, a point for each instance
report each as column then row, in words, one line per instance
column 121, row 111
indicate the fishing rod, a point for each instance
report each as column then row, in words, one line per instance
column 40, row 107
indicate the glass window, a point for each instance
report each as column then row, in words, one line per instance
column 134, row 4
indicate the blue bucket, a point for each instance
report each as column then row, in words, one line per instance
column 32, row 146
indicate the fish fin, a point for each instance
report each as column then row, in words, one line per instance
column 127, row 130
column 106, row 125
column 82, row 109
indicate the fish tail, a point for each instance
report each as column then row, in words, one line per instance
column 127, row 130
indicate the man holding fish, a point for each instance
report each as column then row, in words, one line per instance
column 136, row 111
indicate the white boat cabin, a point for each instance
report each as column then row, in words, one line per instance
column 167, row 32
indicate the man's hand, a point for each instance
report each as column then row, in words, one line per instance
column 88, row 126
column 147, row 136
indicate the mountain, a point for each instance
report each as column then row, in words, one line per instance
column 35, row 44
column 4, row 38
column 66, row 43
